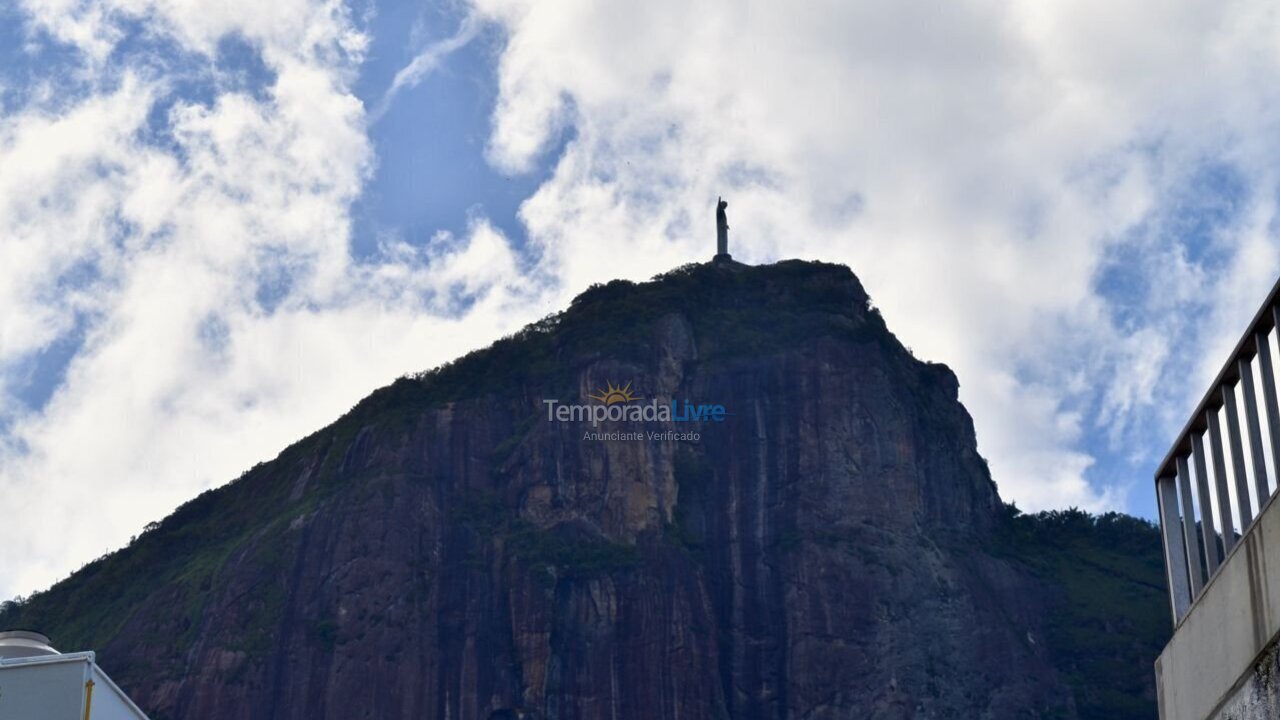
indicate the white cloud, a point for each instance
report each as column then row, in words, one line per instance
column 223, row 313
column 425, row 63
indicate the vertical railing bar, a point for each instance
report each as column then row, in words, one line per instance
column 1243, row 504
column 1190, row 541
column 1175, row 555
column 1220, row 483
column 1208, row 530
column 1254, row 428
column 1269, row 397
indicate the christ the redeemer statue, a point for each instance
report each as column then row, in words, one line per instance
column 722, row 231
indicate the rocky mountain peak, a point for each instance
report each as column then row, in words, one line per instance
column 727, row 492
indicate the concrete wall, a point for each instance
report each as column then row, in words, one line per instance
column 1215, row 661
column 1258, row 698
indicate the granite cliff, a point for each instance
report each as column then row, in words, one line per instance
column 833, row 548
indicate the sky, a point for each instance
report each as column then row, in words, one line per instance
column 222, row 224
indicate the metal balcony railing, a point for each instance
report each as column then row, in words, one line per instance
column 1204, row 514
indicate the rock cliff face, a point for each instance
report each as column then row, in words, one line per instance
column 445, row 551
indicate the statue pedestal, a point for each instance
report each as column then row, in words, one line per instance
column 722, row 258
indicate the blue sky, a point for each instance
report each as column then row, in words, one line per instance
column 432, row 174
column 222, row 225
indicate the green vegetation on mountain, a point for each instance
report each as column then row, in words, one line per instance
column 774, row 308
column 1110, row 618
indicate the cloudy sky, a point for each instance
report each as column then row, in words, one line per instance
column 221, row 224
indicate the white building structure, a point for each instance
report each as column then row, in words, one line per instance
column 40, row 683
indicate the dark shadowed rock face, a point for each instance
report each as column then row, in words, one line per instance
column 445, row 551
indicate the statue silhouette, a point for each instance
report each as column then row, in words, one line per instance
column 722, row 230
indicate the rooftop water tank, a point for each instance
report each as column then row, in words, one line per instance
column 23, row 643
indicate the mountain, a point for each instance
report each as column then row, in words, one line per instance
column 810, row 533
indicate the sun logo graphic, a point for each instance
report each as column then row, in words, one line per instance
column 612, row 394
